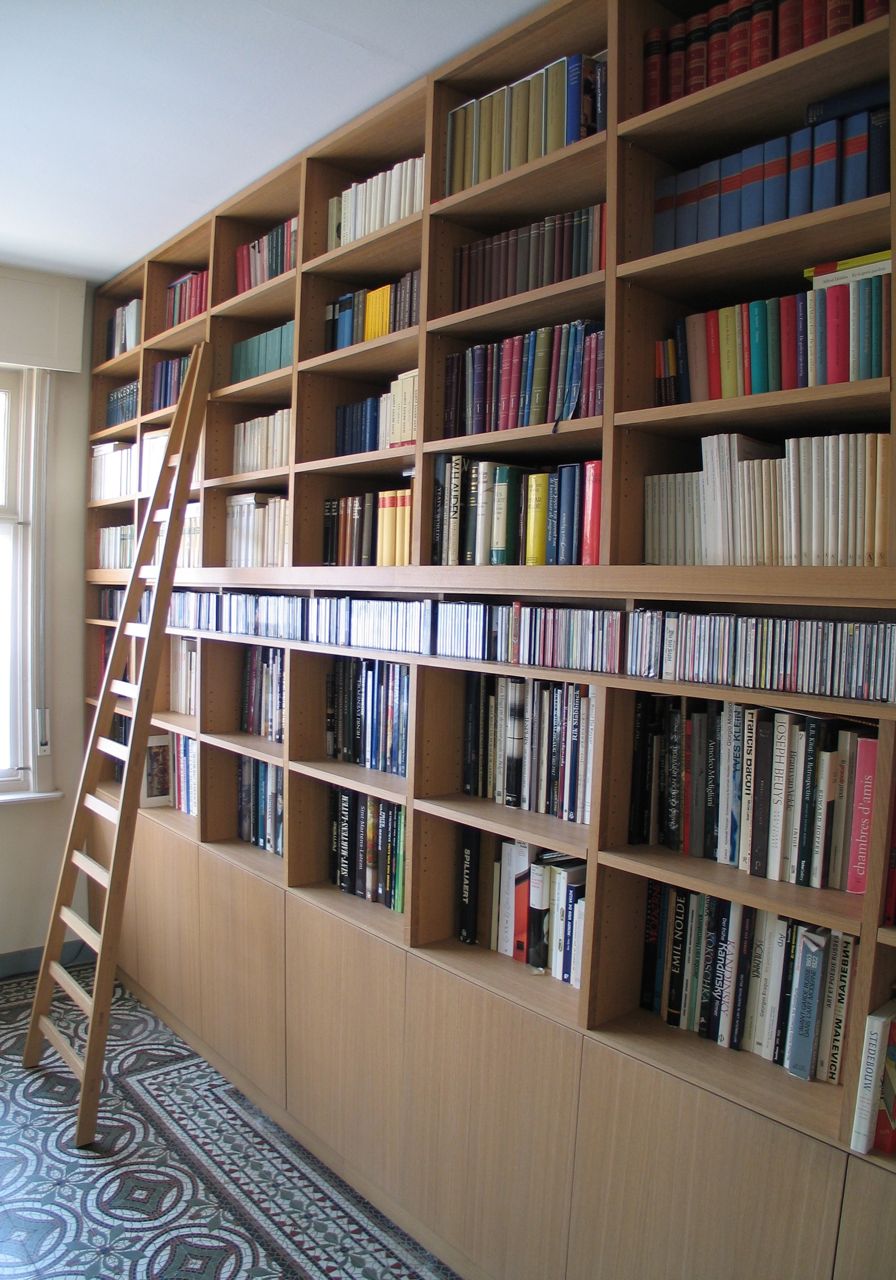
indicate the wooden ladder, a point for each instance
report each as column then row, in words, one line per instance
column 160, row 533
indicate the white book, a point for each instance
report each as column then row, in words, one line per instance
column 745, row 832
column 829, row 1000
column 816, row 481
column 782, row 725
column 506, row 899
column 843, row 482
column 874, row 1052
column 828, row 766
column 729, row 974
column 767, row 1019
column 851, row 497
column 578, row 939
column 860, row 498
column 757, row 960
column 484, row 502
column 793, row 803
column 691, row 975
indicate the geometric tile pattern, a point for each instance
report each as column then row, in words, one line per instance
column 187, row 1180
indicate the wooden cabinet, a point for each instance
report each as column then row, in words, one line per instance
column 866, row 1244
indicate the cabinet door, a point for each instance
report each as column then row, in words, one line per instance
column 489, row 1100
column 99, row 845
column 165, row 879
column 345, row 1038
column 241, row 952
column 866, row 1246
column 672, row 1181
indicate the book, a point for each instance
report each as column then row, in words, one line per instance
column 874, row 1052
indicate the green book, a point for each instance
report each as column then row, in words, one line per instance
column 541, row 373
column 773, row 313
column 505, row 546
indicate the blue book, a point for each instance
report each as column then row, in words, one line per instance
column 854, row 147
column 826, row 165
column 729, row 195
column 687, row 193
column 799, row 174
column 821, row 337
column 774, row 180
column 752, row 177
column 528, row 370
column 879, row 151
column 573, row 893
column 864, row 326
column 709, row 181
column 802, row 341
column 371, row 423
column 863, row 98
column 341, row 440
column 681, row 355
column 758, row 347
column 664, row 214
column 573, row 98
column 773, row 309
column 569, row 514
column 804, row 1017
column 553, row 518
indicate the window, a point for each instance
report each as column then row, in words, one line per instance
column 24, row 752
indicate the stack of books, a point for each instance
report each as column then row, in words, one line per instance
column 261, row 444
column 167, row 380
column 260, row 804
column 367, row 713
column 372, row 313
column 113, row 470
column 186, row 297
column 269, row 256
column 388, row 421
column 123, row 328
column 368, row 529
column 122, row 404
column 261, row 700
column 367, row 847
column 257, row 531
column 262, row 353
column 365, row 207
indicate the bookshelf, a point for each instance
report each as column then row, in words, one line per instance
column 292, row 985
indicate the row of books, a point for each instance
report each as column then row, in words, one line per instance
column 828, row 659
column 389, row 421
column 110, row 599
column 558, row 247
column 537, row 904
column 555, row 106
column 260, row 803
column 261, row 692
column 874, row 1120
column 367, row 713
column 186, row 297
column 748, row 979
column 365, row 207
column 262, row 444
column 825, row 502
column 183, row 668
column 528, row 744
column 268, row 256
column 520, row 634
column 781, row 796
column 122, row 404
column 113, row 470
column 368, row 529
column 262, row 353
column 123, row 328
column 167, row 379
column 372, row 313
column 367, row 847
column 546, row 375
column 189, row 551
column 717, row 44
column 116, row 546
column 837, row 332
column 257, row 533
column 814, row 168
column 487, row 512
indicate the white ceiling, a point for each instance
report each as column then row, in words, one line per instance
column 127, row 119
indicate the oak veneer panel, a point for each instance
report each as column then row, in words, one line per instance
column 241, row 960
column 99, row 845
column 672, row 1181
column 345, row 1038
column 866, row 1247
column 489, row 1096
column 165, row 877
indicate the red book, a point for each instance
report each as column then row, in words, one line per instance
column 890, row 887
column 695, row 53
column 872, row 9
column 717, row 44
column 837, row 312
column 242, row 268
column 885, row 1126
column 516, row 365
column 745, row 345
column 762, row 32
column 839, row 16
column 504, row 391
column 862, row 809
column 592, row 494
column 738, row 37
column 790, row 26
column 814, row 21
column 555, row 373
column 521, row 914
column 654, row 68
column 713, row 355
column 789, row 373
column 675, row 59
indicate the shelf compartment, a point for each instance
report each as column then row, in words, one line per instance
column 126, row 365
column 175, row 722
column 380, row 357
column 578, row 171
column 174, row 820
column 268, row 866
column 766, row 101
column 767, row 256
column 514, row 824
column 826, row 907
column 886, row 936
column 273, row 300
column 275, row 479
column 375, row 462
column 578, row 435
column 182, row 337
column 159, row 417
column 341, row 773
column 372, row 917
column 394, row 248
column 124, row 431
column 247, row 744
column 274, row 387
column 551, row 304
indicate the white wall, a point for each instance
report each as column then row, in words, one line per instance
column 32, row 834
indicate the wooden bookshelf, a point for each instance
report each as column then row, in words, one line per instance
column 343, row 981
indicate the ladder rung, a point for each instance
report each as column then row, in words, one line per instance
column 124, row 689
column 140, row 630
column 162, row 516
column 101, row 808
column 79, row 925
column 111, row 748
column 91, row 868
column 72, row 988
column 54, row 1037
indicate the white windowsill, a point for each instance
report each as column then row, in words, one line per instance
column 27, row 797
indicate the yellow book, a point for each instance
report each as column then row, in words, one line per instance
column 457, row 127
column 385, row 527
column 555, row 106
column 484, row 138
column 882, row 500
column 519, row 123
column 536, row 116
column 728, row 350
column 469, row 143
column 499, row 131
column 537, row 518
column 403, row 528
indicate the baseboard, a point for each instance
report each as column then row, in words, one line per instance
column 14, row 964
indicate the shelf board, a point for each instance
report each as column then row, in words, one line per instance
column 126, row 365
column 886, row 936
column 576, row 436
column 271, row 478
column 124, row 431
column 175, row 722
column 273, row 300
column 394, row 248
column 515, row 824
column 182, row 824
column 246, row 744
column 378, row 358
column 373, row 917
column 108, row 577
column 260, row 862
column 340, row 773
column 577, row 299
column 537, row 992
column 564, row 180
column 841, row 402
column 764, row 102
column 765, row 256
column 374, row 462
column 181, row 337
column 275, row 387
column 159, row 417
column 100, row 622
column 111, row 504
column 810, row 1106
column 826, row 907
